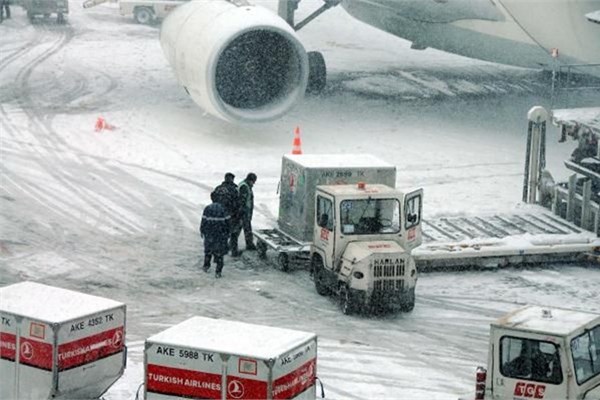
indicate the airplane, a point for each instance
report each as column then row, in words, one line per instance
column 243, row 63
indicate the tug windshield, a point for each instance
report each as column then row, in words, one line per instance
column 585, row 349
column 370, row 216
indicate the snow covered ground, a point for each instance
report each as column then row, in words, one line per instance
column 116, row 213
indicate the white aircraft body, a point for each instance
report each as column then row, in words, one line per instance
column 242, row 63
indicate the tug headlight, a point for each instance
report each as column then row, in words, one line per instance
column 358, row 275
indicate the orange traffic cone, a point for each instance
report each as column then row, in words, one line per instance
column 99, row 124
column 297, row 143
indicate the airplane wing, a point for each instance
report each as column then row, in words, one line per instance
column 594, row 16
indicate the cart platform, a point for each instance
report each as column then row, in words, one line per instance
column 288, row 249
column 528, row 236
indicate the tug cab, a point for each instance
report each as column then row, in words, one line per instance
column 542, row 353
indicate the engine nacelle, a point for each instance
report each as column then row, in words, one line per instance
column 239, row 62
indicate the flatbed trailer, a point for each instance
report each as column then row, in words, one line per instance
column 531, row 235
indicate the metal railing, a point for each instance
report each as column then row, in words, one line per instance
column 570, row 78
column 573, row 200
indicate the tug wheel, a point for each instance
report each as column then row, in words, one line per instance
column 261, row 249
column 318, row 271
column 143, row 15
column 348, row 301
column 409, row 302
column 284, row 262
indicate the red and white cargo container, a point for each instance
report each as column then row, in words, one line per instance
column 57, row 343
column 205, row 358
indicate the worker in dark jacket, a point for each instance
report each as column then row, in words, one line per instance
column 229, row 197
column 247, row 208
column 214, row 229
column 4, row 7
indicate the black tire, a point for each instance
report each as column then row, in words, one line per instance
column 283, row 260
column 143, row 15
column 348, row 301
column 318, row 270
column 408, row 304
column 317, row 73
column 261, row 249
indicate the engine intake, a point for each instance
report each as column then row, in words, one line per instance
column 239, row 63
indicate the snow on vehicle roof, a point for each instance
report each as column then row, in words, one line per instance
column 594, row 16
column 578, row 117
column 50, row 304
column 548, row 320
column 372, row 189
column 233, row 337
column 338, row 160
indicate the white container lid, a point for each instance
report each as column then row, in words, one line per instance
column 232, row 337
column 50, row 304
column 550, row 320
column 338, row 161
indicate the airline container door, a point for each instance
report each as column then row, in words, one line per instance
column 413, row 209
column 324, row 231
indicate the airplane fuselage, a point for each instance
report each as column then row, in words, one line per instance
column 514, row 32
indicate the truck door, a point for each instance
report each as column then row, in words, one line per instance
column 413, row 208
column 528, row 368
column 324, row 232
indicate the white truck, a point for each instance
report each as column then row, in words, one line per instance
column 542, row 353
column 143, row 11
column 147, row 11
column 342, row 214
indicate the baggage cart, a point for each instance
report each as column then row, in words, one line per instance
column 46, row 8
column 58, row 344
column 218, row 359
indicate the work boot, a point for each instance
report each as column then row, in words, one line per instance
column 205, row 268
column 217, row 275
column 237, row 253
column 251, row 247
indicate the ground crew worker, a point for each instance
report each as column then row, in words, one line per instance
column 4, row 7
column 229, row 197
column 247, row 208
column 214, row 229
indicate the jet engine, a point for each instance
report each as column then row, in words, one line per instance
column 237, row 61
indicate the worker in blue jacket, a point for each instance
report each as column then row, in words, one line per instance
column 215, row 230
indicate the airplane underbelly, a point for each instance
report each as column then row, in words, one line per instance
column 565, row 26
column 486, row 31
